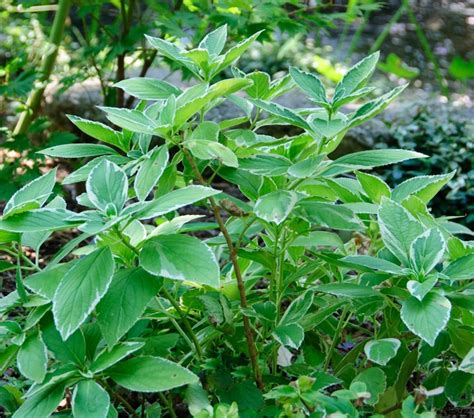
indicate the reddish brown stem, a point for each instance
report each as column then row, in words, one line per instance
column 238, row 274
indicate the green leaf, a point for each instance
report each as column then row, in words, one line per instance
column 43, row 403
column 200, row 57
column 99, row 131
column 310, row 84
column 211, row 150
column 374, row 107
column 72, row 350
column 107, row 187
column 275, row 206
column 6, row 266
column 206, row 130
column 173, row 200
column 180, row 257
column 131, row 119
column 45, row 282
column 81, row 289
column 373, row 186
column 382, row 351
column 266, row 165
column 32, row 358
column 375, row 382
column 150, row 171
column 145, row 88
column 172, row 52
column 214, row 41
column 374, row 263
column 89, row 400
column 82, row 172
column 420, row 289
column 467, row 364
column 234, row 53
column 38, row 220
column 298, row 308
column 78, row 150
column 261, row 85
column 218, row 90
column 151, row 374
column 31, row 196
column 318, row 239
column 285, row 114
column 108, row 358
column 461, row 69
column 9, row 398
column 306, row 168
column 461, row 269
column 357, row 76
column 376, row 158
column 426, row 318
column 427, row 250
column 36, row 240
column 7, row 357
column 395, row 65
column 358, row 94
column 459, row 388
column 349, row 290
column 130, row 292
column 398, row 228
column 291, row 335
column 197, row 400
column 329, row 215
column 423, row 187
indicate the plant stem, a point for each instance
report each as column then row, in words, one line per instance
column 357, row 35
column 47, row 65
column 425, row 45
column 238, row 274
column 186, row 323
column 119, row 398
column 241, row 237
column 168, row 404
column 337, row 333
column 386, row 30
column 20, row 287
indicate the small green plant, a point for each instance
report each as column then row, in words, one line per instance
column 324, row 292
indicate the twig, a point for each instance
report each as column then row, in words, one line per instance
column 238, row 274
column 186, row 323
column 337, row 333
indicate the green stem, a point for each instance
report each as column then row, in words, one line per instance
column 386, row 30
column 358, row 34
column 186, row 323
column 126, row 240
column 20, row 287
column 168, row 405
column 340, row 327
column 119, row 398
column 425, row 45
column 251, row 221
column 33, row 266
column 47, row 65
